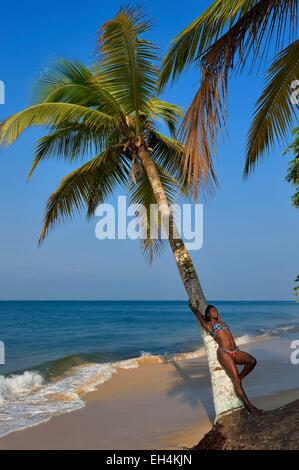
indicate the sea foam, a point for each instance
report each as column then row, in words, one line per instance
column 15, row 386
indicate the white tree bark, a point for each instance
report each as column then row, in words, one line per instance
column 224, row 396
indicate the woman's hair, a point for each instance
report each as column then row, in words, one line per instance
column 207, row 312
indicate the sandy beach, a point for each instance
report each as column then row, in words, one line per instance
column 159, row 405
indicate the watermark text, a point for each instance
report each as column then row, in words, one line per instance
column 135, row 221
column 295, row 92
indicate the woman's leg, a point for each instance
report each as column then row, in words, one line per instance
column 249, row 362
column 228, row 364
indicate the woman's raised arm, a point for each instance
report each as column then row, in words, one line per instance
column 199, row 315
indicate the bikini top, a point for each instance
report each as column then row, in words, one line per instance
column 217, row 327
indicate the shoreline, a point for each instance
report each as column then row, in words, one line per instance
column 164, row 405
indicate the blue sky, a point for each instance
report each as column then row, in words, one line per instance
column 250, row 228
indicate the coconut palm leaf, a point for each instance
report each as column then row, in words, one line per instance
column 72, row 82
column 70, row 142
column 274, row 112
column 199, row 35
column 250, row 35
column 126, row 62
column 293, row 178
column 52, row 115
column 293, row 169
column 166, row 112
column 229, row 24
column 248, row 30
column 67, row 143
column 63, row 72
column 85, row 187
column 116, row 167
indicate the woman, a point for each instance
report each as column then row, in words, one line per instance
column 229, row 355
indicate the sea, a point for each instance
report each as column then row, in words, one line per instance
column 58, row 351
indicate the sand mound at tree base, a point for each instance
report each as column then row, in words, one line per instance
column 276, row 430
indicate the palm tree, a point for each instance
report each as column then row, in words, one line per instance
column 296, row 288
column 225, row 38
column 293, row 178
column 293, row 170
column 109, row 114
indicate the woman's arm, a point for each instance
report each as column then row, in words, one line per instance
column 199, row 315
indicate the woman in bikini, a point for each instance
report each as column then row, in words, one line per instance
column 229, row 355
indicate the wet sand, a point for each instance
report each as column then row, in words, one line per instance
column 159, row 405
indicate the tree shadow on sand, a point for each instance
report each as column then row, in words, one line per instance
column 191, row 383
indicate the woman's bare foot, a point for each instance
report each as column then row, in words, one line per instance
column 256, row 411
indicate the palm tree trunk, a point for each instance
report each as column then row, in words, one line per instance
column 223, row 391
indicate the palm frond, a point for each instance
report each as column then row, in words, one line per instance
column 68, row 142
column 84, row 188
column 72, row 82
column 199, row 35
column 53, row 115
column 293, row 169
column 248, row 29
column 63, row 72
column 71, row 142
column 198, row 132
column 293, row 178
column 275, row 112
column 251, row 33
column 115, row 170
column 166, row 112
column 126, row 62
